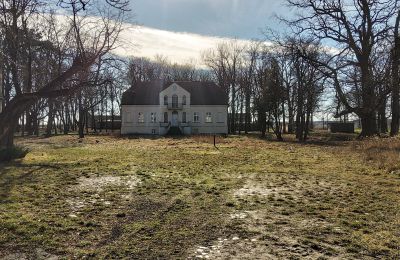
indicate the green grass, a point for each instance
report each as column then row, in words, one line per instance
column 163, row 198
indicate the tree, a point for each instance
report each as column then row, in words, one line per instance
column 357, row 28
column 88, row 39
column 270, row 94
column 396, row 78
column 225, row 62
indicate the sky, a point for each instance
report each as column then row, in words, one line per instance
column 225, row 18
column 182, row 30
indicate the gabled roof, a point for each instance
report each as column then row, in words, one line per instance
column 201, row 93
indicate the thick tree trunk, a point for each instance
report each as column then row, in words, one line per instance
column 394, row 130
column 50, row 120
column 9, row 120
column 394, row 127
column 368, row 124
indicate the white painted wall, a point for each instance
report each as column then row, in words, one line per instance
column 131, row 124
column 174, row 89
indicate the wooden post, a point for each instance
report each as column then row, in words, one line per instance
column 214, row 142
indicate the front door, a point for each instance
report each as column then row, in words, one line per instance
column 174, row 118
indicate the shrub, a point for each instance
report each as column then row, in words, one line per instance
column 16, row 152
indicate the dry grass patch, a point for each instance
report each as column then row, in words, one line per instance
column 384, row 153
column 174, row 198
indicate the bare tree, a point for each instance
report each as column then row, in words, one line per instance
column 358, row 28
column 88, row 39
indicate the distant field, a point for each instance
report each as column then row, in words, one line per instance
column 109, row 197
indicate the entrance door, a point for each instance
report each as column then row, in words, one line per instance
column 174, row 119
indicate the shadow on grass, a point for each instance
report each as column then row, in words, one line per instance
column 9, row 179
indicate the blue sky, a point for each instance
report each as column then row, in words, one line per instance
column 224, row 18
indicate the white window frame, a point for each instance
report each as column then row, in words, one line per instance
column 153, row 117
column 183, row 117
column 208, row 118
column 220, row 117
column 166, row 117
column 196, row 117
column 165, row 100
column 128, row 117
column 141, row 117
column 175, row 101
column 184, row 100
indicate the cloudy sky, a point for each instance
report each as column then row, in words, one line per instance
column 182, row 30
column 226, row 18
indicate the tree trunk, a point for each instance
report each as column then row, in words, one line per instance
column 368, row 124
column 9, row 120
column 262, row 121
column 50, row 120
column 283, row 118
column 247, row 112
column 81, row 120
column 394, row 130
column 233, row 110
column 383, row 126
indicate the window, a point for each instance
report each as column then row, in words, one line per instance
column 184, row 100
column 174, row 101
column 208, row 117
column 153, row 131
column 141, row 117
column 153, row 117
column 220, row 117
column 196, row 117
column 165, row 100
column 183, row 117
column 128, row 117
column 165, row 117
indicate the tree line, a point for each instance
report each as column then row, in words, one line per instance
column 347, row 51
column 344, row 55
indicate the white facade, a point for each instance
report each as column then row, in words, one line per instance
column 176, row 112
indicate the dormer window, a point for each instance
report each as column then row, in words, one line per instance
column 184, row 100
column 165, row 100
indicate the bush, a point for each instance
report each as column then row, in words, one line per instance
column 16, row 152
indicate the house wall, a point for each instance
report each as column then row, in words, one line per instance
column 174, row 89
column 131, row 124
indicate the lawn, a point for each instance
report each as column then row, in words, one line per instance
column 110, row 197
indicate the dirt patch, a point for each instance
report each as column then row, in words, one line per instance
column 233, row 248
column 38, row 253
column 99, row 183
column 87, row 193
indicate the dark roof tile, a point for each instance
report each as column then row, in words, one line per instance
column 202, row 93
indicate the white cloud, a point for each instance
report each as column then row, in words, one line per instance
column 140, row 41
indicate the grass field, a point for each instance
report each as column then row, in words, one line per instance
column 109, row 197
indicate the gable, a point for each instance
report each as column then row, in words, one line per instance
column 174, row 88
